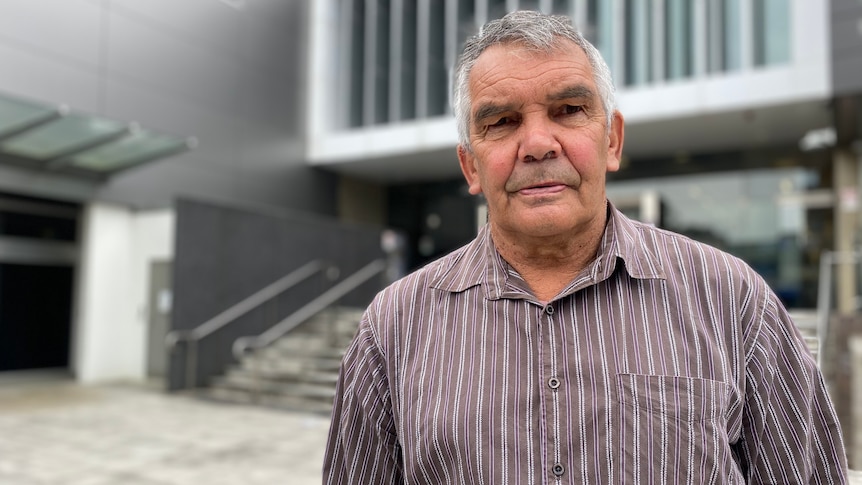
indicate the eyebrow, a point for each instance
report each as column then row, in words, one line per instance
column 570, row 92
column 490, row 110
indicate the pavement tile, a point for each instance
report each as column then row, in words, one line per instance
column 61, row 433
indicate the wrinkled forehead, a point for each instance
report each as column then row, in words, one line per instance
column 562, row 48
column 559, row 46
column 517, row 58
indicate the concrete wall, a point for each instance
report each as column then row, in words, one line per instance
column 110, row 324
column 230, row 73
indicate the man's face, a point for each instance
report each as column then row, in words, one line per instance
column 540, row 148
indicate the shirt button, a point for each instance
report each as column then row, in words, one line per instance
column 549, row 310
column 558, row 470
column 554, row 383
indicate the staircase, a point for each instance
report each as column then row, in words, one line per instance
column 806, row 322
column 298, row 372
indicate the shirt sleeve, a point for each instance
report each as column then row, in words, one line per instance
column 363, row 446
column 790, row 430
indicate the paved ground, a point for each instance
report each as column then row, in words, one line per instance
column 54, row 432
column 58, row 433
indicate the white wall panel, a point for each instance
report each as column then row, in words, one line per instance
column 67, row 30
column 44, row 79
column 111, row 319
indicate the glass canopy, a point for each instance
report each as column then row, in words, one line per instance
column 56, row 139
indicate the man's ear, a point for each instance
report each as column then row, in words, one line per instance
column 615, row 142
column 468, row 168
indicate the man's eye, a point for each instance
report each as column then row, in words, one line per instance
column 570, row 110
column 502, row 121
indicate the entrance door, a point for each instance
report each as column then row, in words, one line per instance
column 35, row 316
column 38, row 255
column 160, row 317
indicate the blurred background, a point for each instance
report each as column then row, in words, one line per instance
column 202, row 195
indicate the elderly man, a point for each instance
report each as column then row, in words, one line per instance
column 567, row 343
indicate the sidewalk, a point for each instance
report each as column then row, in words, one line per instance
column 55, row 432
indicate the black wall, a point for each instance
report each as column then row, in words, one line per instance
column 224, row 254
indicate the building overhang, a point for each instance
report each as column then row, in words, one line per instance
column 59, row 141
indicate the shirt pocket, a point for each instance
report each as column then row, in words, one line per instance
column 673, row 430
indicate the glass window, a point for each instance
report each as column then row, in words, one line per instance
column 438, row 99
column 678, row 39
column 638, row 32
column 605, row 32
column 466, row 22
column 732, row 50
column 590, row 29
column 771, row 24
column 758, row 215
column 560, row 7
column 381, row 68
column 408, row 61
column 29, row 217
column 356, row 61
column 496, row 9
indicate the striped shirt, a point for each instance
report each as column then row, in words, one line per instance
column 665, row 361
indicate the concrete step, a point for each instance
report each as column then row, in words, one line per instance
column 293, row 364
column 299, row 371
column 267, row 400
column 277, row 374
column 251, row 385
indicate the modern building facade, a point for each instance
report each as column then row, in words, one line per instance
column 742, row 129
column 731, row 114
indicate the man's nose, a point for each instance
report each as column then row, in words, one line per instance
column 538, row 142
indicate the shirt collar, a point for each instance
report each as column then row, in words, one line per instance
column 479, row 263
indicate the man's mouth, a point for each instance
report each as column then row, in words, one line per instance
column 543, row 189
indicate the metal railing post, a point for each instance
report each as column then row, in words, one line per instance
column 191, row 363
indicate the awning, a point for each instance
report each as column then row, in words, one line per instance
column 60, row 140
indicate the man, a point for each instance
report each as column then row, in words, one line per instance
column 567, row 343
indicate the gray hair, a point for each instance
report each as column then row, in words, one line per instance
column 534, row 30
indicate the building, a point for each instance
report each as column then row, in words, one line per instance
column 742, row 130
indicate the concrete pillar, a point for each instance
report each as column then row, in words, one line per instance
column 846, row 184
column 853, row 436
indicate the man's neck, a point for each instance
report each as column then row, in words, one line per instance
column 549, row 264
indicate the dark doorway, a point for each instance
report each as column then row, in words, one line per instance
column 35, row 316
column 38, row 256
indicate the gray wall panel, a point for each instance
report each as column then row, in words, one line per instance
column 67, row 29
column 47, row 79
column 846, row 28
column 208, row 23
column 143, row 54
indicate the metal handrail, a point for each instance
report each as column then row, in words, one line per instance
column 828, row 259
column 312, row 308
column 193, row 336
